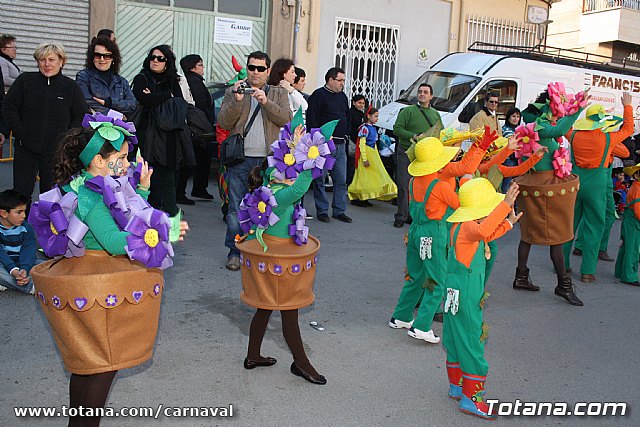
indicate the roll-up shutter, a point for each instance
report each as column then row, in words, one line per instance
column 47, row 21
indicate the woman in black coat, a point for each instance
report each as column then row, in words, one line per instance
column 193, row 68
column 167, row 151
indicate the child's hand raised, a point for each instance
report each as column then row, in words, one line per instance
column 514, row 143
column 145, row 174
column 512, row 194
column 513, row 218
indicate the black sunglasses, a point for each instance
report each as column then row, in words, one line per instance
column 492, row 102
column 259, row 68
column 98, row 55
column 158, row 58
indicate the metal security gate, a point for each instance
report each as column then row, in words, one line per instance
column 500, row 31
column 369, row 55
column 139, row 27
column 47, row 21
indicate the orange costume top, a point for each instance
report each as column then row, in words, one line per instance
column 467, row 165
column 634, row 193
column 508, row 171
column 442, row 195
column 588, row 145
column 472, row 233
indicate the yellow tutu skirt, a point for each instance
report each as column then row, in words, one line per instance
column 372, row 182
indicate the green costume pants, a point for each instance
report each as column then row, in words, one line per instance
column 426, row 264
column 462, row 330
column 589, row 216
column 609, row 220
column 627, row 260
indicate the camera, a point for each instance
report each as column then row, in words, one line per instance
column 244, row 88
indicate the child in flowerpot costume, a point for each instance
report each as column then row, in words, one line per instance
column 278, row 256
column 431, row 200
column 548, row 192
column 479, row 219
column 593, row 145
column 627, row 259
column 101, row 294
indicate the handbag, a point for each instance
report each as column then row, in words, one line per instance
column 232, row 150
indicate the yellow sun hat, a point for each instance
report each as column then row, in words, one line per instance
column 595, row 117
column 431, row 156
column 477, row 198
column 630, row 170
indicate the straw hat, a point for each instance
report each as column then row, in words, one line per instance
column 478, row 199
column 630, row 170
column 431, row 156
column 597, row 118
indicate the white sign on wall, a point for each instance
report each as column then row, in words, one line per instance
column 233, row 31
column 423, row 57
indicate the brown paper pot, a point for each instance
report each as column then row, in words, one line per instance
column 547, row 202
column 103, row 310
column 281, row 278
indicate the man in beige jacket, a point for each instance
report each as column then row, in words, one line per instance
column 237, row 108
column 488, row 115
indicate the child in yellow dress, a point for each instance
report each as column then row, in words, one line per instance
column 371, row 180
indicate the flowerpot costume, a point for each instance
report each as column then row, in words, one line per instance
column 432, row 200
column 627, row 260
column 373, row 181
column 464, row 332
column 593, row 147
column 101, row 293
column 278, row 256
column 548, row 192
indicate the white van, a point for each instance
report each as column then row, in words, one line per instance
column 461, row 78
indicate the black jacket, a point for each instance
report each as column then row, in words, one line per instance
column 200, row 94
column 39, row 109
column 169, row 148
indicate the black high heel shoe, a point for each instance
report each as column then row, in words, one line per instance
column 250, row 364
column 314, row 380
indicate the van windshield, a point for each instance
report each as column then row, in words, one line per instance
column 449, row 89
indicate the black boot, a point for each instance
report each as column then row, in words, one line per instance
column 565, row 290
column 522, row 280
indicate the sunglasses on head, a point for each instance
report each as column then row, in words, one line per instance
column 259, row 68
column 158, row 58
column 98, row 55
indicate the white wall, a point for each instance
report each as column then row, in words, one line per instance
column 423, row 23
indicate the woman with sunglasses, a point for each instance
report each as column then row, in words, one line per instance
column 167, row 151
column 103, row 88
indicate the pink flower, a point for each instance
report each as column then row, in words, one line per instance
column 562, row 163
column 562, row 103
column 530, row 140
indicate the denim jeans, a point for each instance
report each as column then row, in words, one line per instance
column 237, row 179
column 506, row 182
column 8, row 281
column 339, row 178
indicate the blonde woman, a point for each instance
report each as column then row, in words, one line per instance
column 39, row 107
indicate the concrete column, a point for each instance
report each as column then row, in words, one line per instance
column 102, row 14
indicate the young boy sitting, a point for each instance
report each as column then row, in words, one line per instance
column 17, row 243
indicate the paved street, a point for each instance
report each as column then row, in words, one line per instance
column 540, row 349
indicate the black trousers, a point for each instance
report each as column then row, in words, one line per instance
column 26, row 167
column 203, row 168
column 163, row 189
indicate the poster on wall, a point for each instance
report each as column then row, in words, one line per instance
column 233, row 31
column 423, row 57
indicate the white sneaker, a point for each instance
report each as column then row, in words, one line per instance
column 33, row 290
column 2, row 288
column 428, row 336
column 398, row 324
